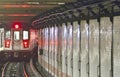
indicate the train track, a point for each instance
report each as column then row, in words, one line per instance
column 17, row 69
column 13, row 70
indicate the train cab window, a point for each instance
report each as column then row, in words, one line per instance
column 7, row 35
column 16, row 35
column 25, row 35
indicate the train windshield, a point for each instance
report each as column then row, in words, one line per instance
column 16, row 35
column 25, row 35
column 7, row 35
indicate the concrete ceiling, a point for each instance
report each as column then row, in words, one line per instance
column 24, row 10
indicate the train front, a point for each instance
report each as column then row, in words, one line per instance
column 17, row 41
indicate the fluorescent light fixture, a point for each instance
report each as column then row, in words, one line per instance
column 17, row 15
column 33, row 3
column 61, row 3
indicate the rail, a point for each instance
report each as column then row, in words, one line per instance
column 14, row 69
column 37, row 74
column 3, row 71
column 25, row 72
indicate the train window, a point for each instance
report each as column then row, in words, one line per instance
column 25, row 35
column 7, row 35
column 16, row 35
column 1, row 37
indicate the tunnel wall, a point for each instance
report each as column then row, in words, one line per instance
column 81, row 46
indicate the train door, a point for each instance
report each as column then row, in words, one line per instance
column 16, row 43
column 94, row 48
column 116, row 46
column 76, row 48
column 105, row 46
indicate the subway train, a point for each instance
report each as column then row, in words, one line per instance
column 17, row 40
column 80, row 41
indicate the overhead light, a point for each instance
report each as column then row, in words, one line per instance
column 17, row 15
column 1, row 15
column 61, row 3
column 55, row 3
column 36, row 3
column 20, row 14
column 26, row 6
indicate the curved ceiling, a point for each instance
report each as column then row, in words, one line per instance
column 24, row 10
